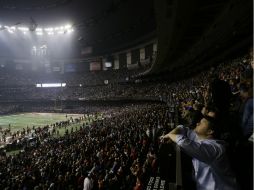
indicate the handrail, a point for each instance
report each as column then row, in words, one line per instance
column 178, row 167
column 178, row 182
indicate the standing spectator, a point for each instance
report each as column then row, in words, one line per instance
column 88, row 182
column 212, row 170
column 247, row 115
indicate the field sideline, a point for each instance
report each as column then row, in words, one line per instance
column 22, row 120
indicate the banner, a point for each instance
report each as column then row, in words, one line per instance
column 86, row 50
column 95, row 66
column 156, row 183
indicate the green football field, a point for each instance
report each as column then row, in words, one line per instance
column 20, row 121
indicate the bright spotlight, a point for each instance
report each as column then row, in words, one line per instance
column 39, row 33
column 51, row 33
column 49, row 29
column 70, row 30
column 68, row 26
column 24, row 29
column 38, row 30
column 10, row 30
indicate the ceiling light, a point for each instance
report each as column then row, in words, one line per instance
column 23, row 28
column 50, row 33
column 38, row 30
column 67, row 26
column 39, row 33
column 70, row 30
column 48, row 29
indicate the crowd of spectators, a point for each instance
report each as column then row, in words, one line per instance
column 117, row 152
column 86, row 86
column 124, row 148
column 88, row 78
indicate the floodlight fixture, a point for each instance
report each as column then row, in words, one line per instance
column 9, row 29
column 24, row 29
column 68, row 26
column 48, row 29
column 38, row 30
column 39, row 33
column 50, row 33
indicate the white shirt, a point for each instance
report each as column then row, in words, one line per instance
column 88, row 184
column 212, row 171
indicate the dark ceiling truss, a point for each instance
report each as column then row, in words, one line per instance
column 120, row 34
column 112, row 8
column 32, row 4
column 198, row 35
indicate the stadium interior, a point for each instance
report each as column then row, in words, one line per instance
column 90, row 88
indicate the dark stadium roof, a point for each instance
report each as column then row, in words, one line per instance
column 103, row 24
column 189, row 33
column 195, row 34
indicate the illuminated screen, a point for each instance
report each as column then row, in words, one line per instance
column 95, row 66
column 108, row 64
column 50, row 85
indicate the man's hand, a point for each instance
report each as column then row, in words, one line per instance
column 165, row 139
column 171, row 136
